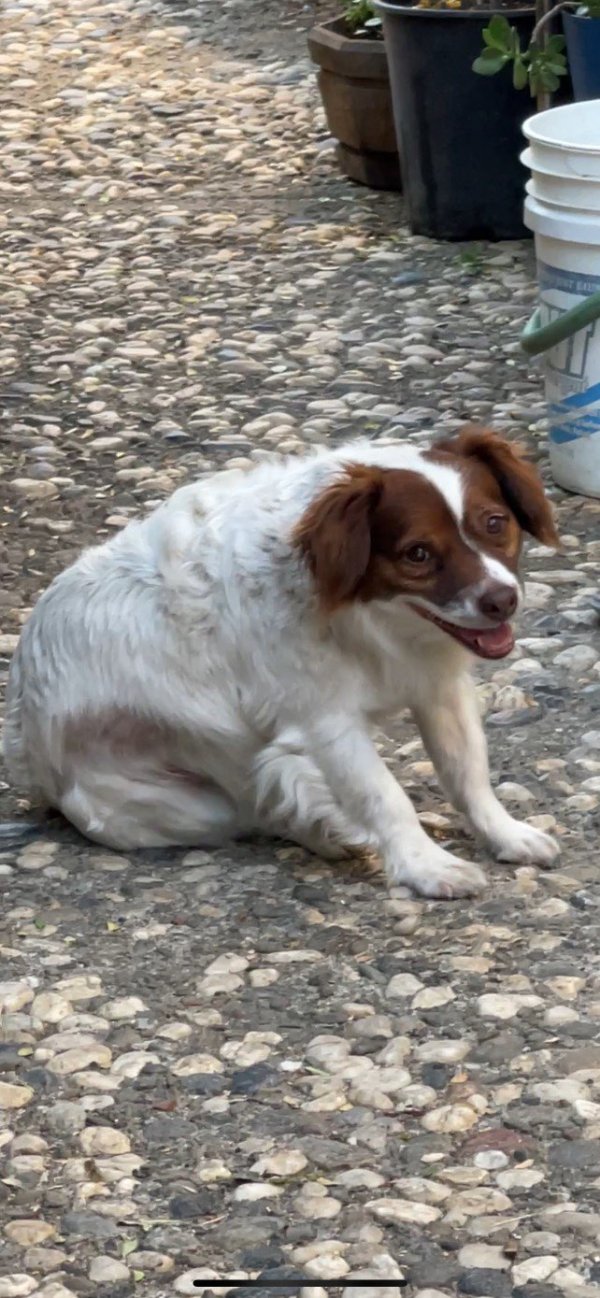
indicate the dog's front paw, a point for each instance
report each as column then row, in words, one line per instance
column 440, row 875
column 523, row 844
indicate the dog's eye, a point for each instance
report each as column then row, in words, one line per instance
column 496, row 524
column 417, row 554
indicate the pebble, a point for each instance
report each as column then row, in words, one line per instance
column 74, row 1061
column 403, row 1210
column 232, row 963
column 497, row 1006
column 577, row 658
column 489, row 1257
column 146, row 1260
column 360, row 1177
column 16, row 1286
column 451, row 1118
column 327, row 1267
column 420, row 1190
column 14, row 996
column 29, row 1232
column 519, row 1178
column 125, row 1007
column 56, row 1290
column 254, row 1190
column 100, row 1141
column 50, row 1007
column 432, row 998
column 14, row 1097
column 491, row 1160
column 286, row 1162
column 510, row 791
column 219, row 984
column 196, row 1281
column 191, row 1065
column 534, row 1269
column 403, row 987
column 263, row 977
column 477, row 1203
column 541, row 1241
column 442, row 1052
column 44, row 1259
column 108, row 1270
column 80, row 987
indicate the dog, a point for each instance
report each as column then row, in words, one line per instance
column 218, row 669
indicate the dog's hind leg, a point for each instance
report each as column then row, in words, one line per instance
column 295, row 802
column 125, row 810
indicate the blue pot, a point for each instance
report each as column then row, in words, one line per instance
column 583, row 48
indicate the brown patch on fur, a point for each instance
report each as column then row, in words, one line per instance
column 412, row 512
column 335, row 533
column 358, row 534
column 516, row 477
column 132, row 741
column 124, row 733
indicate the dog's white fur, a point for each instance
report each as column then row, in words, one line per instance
column 178, row 685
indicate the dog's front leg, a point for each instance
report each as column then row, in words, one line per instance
column 368, row 792
column 452, row 731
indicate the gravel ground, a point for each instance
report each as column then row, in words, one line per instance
column 247, row 1060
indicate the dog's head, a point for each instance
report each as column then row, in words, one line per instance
column 443, row 537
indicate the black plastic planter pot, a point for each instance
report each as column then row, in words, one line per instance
column 459, row 134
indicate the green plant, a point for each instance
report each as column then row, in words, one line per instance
column 540, row 66
column 471, row 260
column 361, row 18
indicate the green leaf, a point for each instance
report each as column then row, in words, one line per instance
column 549, row 80
column 520, row 75
column 542, row 79
column 499, row 34
column 541, row 66
column 489, row 63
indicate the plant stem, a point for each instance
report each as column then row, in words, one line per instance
column 548, row 14
column 544, row 13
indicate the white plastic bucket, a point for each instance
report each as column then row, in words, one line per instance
column 566, row 192
column 566, row 140
column 540, row 191
column 562, row 209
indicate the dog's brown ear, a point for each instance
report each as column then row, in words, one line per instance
column 517, row 478
column 334, row 534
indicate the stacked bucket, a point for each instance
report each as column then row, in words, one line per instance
column 562, row 208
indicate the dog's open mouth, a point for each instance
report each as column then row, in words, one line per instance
column 493, row 642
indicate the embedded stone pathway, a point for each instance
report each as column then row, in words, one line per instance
column 248, row 1061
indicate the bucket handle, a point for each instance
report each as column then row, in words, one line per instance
column 537, row 338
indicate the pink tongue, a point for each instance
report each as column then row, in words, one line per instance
column 495, row 642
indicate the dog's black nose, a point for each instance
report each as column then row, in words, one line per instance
column 498, row 602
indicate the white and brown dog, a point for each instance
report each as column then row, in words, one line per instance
column 220, row 667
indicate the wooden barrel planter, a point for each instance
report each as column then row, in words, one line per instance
column 355, row 89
